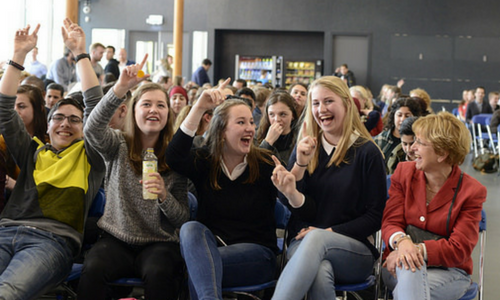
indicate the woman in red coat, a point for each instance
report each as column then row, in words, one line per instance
column 421, row 195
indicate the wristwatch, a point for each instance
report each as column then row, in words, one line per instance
column 83, row 55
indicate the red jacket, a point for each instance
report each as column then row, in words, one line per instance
column 407, row 205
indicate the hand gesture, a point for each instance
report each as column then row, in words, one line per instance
column 273, row 133
column 283, row 180
column 24, row 41
column 155, row 185
column 73, row 37
column 305, row 147
column 211, row 98
column 130, row 76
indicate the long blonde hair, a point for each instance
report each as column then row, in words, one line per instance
column 352, row 122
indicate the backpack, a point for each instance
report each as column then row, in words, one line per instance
column 486, row 162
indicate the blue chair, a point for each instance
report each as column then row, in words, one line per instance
column 455, row 112
column 281, row 215
column 96, row 210
column 478, row 122
column 137, row 282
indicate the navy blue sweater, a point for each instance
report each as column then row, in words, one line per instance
column 349, row 199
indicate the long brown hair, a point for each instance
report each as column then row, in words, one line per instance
column 215, row 144
column 35, row 96
column 352, row 122
column 132, row 131
column 276, row 97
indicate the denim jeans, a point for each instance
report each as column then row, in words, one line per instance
column 427, row 283
column 32, row 261
column 211, row 267
column 319, row 260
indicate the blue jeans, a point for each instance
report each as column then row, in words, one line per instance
column 319, row 260
column 241, row 264
column 32, row 261
column 427, row 283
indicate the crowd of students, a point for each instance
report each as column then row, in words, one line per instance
column 314, row 149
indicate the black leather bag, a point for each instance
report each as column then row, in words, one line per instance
column 419, row 235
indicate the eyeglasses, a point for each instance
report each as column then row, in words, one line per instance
column 59, row 118
column 419, row 142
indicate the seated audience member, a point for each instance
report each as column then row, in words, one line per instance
column 178, row 100
column 108, row 77
column 336, row 207
column 477, row 106
column 54, row 93
column 493, row 98
column 96, row 52
column 495, row 121
column 403, row 151
column 232, row 243
column 118, row 119
column 381, row 101
column 123, row 60
column 36, row 68
column 35, row 81
column 113, row 65
column 392, row 93
column 388, row 139
column 239, row 83
column 346, row 75
column 63, row 70
column 41, row 227
column 246, row 93
column 432, row 186
column 467, row 96
column 370, row 117
column 192, row 94
column 139, row 236
column 166, row 82
column 261, row 96
column 277, row 131
column 299, row 93
column 422, row 94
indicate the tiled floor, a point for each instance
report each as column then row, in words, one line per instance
column 492, row 256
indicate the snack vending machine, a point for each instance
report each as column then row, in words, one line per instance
column 302, row 71
column 263, row 69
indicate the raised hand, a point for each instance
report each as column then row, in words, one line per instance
column 129, row 78
column 273, row 133
column 24, row 41
column 283, row 180
column 305, row 147
column 73, row 37
column 211, row 98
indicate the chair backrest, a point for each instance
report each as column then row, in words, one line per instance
column 455, row 111
column 281, row 215
column 97, row 208
column 481, row 119
column 193, row 206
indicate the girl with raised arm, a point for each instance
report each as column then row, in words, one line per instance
column 233, row 242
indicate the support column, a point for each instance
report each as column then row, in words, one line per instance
column 72, row 10
column 178, row 32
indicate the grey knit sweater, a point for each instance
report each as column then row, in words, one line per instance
column 127, row 215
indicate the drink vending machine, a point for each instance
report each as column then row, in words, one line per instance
column 263, row 69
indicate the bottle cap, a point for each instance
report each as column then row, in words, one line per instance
column 140, row 73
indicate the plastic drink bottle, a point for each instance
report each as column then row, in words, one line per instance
column 149, row 165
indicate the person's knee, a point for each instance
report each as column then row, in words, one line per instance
column 191, row 229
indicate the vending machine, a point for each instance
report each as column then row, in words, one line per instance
column 302, row 71
column 263, row 69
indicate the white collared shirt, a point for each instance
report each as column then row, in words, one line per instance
column 238, row 170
